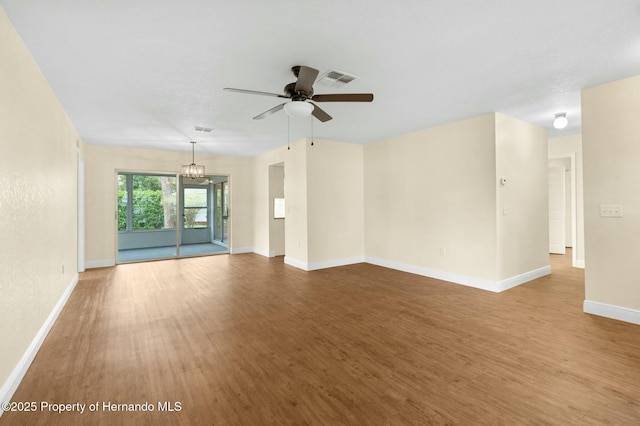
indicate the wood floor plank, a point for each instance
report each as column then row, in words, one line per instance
column 244, row 339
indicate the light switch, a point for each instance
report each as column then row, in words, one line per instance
column 611, row 210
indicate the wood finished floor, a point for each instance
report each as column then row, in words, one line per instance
column 246, row 340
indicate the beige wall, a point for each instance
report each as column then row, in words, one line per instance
column 522, row 203
column 295, row 194
column 434, row 204
column 276, row 226
column 101, row 164
column 562, row 148
column 38, row 199
column 611, row 151
column 335, row 197
column 430, row 198
column 323, row 189
column 261, row 198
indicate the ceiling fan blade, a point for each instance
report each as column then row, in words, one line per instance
column 319, row 113
column 306, row 77
column 254, row 92
column 344, row 97
column 269, row 112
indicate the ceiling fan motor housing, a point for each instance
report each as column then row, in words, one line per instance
column 301, row 94
column 290, row 91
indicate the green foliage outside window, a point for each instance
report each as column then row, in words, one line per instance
column 148, row 212
column 122, row 210
column 153, row 202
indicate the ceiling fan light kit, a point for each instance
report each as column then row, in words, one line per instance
column 298, row 109
column 301, row 94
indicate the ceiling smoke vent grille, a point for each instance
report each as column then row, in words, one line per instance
column 335, row 77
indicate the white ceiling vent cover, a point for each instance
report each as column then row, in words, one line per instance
column 336, row 77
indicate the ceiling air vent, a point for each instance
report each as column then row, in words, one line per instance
column 203, row 129
column 335, row 77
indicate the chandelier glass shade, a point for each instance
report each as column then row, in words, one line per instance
column 193, row 170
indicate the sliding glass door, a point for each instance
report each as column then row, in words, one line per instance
column 221, row 206
column 146, row 216
column 198, row 217
column 164, row 216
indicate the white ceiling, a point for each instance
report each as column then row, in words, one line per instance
column 143, row 73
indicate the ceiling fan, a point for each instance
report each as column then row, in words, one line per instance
column 301, row 94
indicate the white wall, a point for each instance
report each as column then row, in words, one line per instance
column 566, row 147
column 101, row 165
column 611, row 149
column 38, row 205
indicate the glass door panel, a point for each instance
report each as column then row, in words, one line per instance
column 199, row 216
column 221, row 231
column 163, row 216
column 146, row 216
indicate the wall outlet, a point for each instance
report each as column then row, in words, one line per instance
column 611, row 210
column 443, row 251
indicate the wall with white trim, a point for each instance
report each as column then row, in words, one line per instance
column 611, row 156
column 38, row 205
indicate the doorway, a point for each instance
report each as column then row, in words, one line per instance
column 163, row 216
column 557, row 210
column 205, row 215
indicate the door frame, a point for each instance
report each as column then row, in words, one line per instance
column 574, row 205
column 178, row 208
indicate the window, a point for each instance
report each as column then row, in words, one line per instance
column 195, row 208
column 146, row 202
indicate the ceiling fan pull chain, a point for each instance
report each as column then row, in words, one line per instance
column 311, row 118
column 288, row 132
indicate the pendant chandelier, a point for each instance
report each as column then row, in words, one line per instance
column 193, row 171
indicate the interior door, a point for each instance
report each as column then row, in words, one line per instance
column 557, row 215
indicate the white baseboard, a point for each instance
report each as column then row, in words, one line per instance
column 14, row 379
column 494, row 286
column 611, row 311
column 522, row 278
column 579, row 263
column 265, row 253
column 434, row 273
column 90, row 264
column 296, row 263
column 334, row 263
column 314, row 266
column 241, row 250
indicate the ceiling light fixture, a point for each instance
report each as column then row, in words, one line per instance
column 193, row 171
column 298, row 109
column 560, row 121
